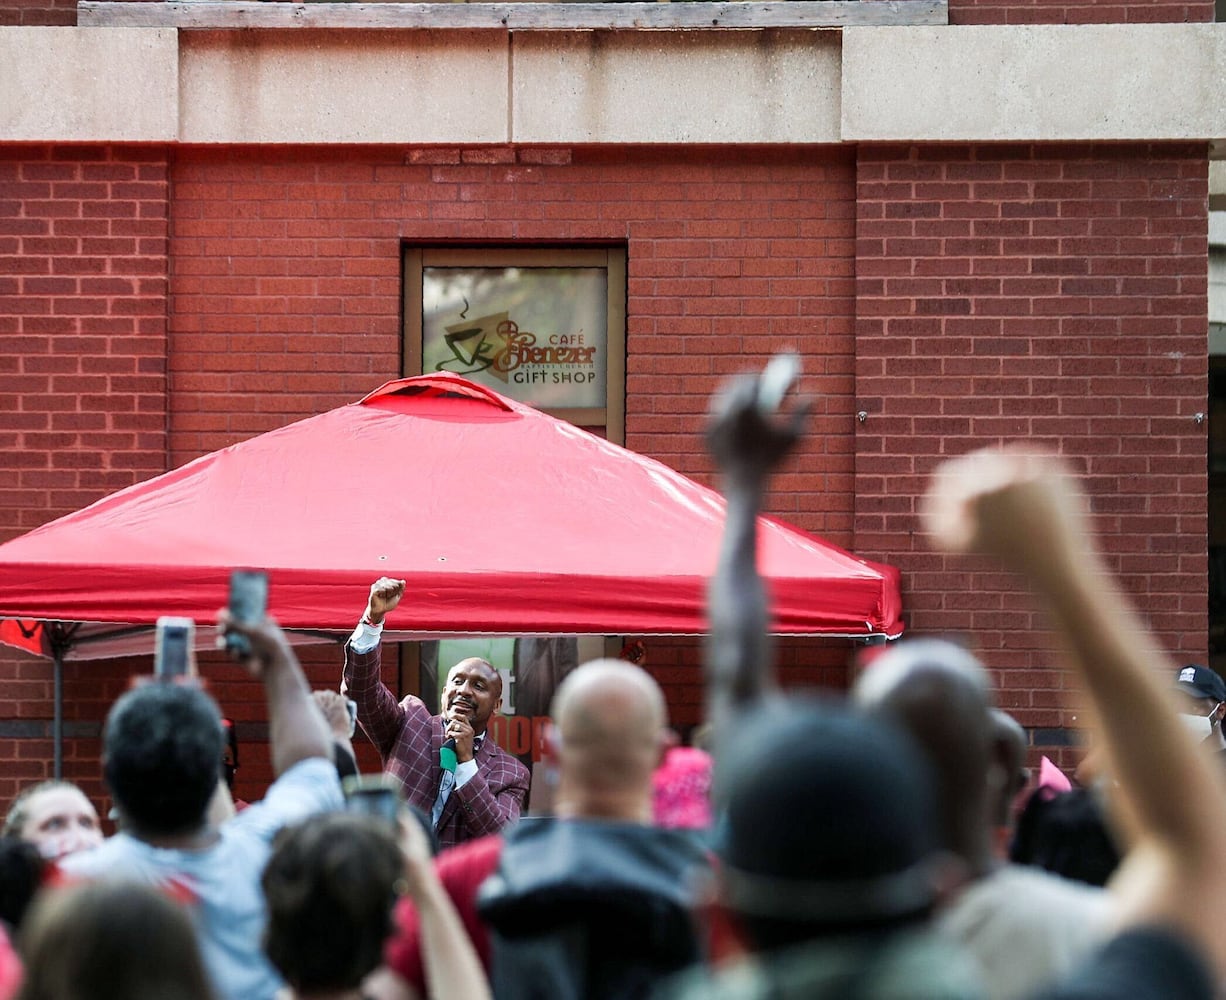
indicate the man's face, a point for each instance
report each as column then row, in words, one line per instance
column 472, row 692
column 61, row 821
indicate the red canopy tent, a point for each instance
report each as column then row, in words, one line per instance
column 503, row 519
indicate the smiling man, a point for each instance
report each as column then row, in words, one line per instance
column 487, row 788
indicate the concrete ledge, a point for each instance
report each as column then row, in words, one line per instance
column 72, row 85
column 1093, row 82
column 547, row 15
column 476, row 86
column 344, row 87
column 686, row 87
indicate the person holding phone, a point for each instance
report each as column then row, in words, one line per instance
column 449, row 768
column 161, row 747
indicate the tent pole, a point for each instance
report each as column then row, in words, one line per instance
column 57, row 725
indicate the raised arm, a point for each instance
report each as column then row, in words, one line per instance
column 452, row 967
column 1026, row 510
column 748, row 439
column 380, row 715
column 296, row 727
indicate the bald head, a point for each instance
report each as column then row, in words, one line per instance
column 939, row 693
column 610, row 720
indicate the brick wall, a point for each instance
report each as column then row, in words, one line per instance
column 1078, row 11
column 82, row 384
column 1051, row 293
column 38, row 12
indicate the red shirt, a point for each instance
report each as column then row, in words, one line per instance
column 461, row 869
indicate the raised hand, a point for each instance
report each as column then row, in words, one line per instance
column 268, row 643
column 748, row 434
column 1015, row 503
column 385, row 594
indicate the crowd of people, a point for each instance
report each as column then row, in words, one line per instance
column 888, row 843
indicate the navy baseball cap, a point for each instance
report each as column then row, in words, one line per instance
column 1201, row 682
column 830, row 817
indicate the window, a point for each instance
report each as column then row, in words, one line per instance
column 544, row 327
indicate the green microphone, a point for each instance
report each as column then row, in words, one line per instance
column 446, row 756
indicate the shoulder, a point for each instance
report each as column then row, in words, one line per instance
column 315, row 773
column 415, row 709
column 308, row 787
column 112, row 853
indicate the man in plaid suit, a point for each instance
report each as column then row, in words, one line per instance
column 488, row 788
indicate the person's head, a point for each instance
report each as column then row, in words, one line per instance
column 608, row 734
column 938, row 693
column 111, row 941
column 829, row 826
column 330, row 887
column 56, row 817
column 160, row 752
column 472, row 692
column 1066, row 833
column 1202, row 696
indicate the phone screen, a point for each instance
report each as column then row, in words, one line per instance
column 372, row 796
column 248, row 604
column 172, row 653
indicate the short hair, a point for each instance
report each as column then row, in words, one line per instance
column 1066, row 833
column 111, row 941
column 161, row 748
column 330, row 887
column 19, row 811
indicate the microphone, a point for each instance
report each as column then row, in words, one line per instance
column 446, row 755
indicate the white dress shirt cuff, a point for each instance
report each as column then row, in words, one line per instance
column 465, row 771
column 365, row 637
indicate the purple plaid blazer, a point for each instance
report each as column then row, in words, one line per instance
column 409, row 737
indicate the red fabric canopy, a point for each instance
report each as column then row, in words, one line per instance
column 503, row 520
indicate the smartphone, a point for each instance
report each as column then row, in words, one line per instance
column 172, row 652
column 351, row 707
column 374, row 795
column 248, row 604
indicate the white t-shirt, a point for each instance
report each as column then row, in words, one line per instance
column 1026, row 927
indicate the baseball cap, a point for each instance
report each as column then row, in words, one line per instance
column 830, row 817
column 1201, row 682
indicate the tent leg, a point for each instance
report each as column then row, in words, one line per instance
column 57, row 725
